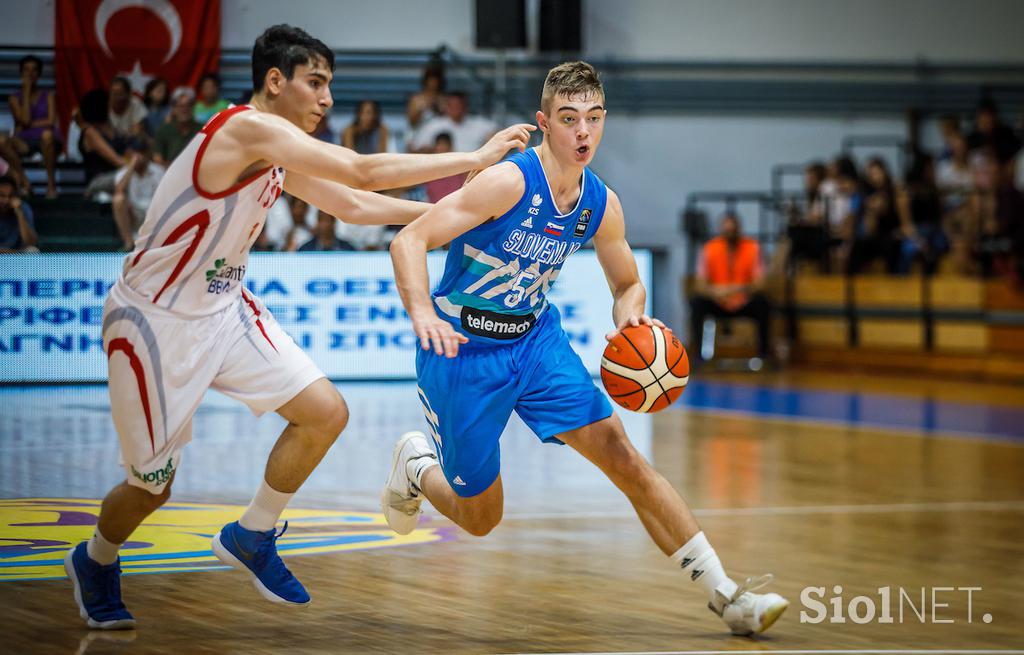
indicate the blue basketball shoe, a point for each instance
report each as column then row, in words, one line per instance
column 97, row 591
column 256, row 554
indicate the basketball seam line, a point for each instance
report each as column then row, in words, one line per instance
column 644, row 360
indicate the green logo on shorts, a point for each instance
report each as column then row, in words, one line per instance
column 215, row 271
column 159, row 476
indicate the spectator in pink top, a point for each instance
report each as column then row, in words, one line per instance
column 440, row 188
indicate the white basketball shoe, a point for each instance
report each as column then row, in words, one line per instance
column 401, row 500
column 744, row 611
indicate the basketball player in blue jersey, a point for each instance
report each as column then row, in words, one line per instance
column 492, row 344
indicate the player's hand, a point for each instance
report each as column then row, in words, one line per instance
column 635, row 321
column 439, row 334
column 511, row 138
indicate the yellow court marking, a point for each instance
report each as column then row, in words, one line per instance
column 35, row 533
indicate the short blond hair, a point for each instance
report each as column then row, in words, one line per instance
column 573, row 79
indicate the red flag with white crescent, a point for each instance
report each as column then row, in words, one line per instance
column 96, row 40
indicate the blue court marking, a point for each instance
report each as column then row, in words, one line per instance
column 898, row 413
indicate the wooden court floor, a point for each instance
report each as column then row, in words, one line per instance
column 569, row 569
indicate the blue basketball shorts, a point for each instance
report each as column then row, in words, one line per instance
column 468, row 399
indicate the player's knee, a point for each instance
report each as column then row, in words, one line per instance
column 334, row 418
column 47, row 137
column 481, row 522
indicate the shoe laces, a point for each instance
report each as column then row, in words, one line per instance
column 751, row 584
column 266, row 550
column 110, row 580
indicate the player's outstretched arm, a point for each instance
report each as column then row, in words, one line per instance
column 271, row 138
column 491, row 193
column 353, row 205
column 619, row 266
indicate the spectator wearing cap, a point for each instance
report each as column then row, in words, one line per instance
column 181, row 126
column 134, row 188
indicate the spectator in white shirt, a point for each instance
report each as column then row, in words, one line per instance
column 127, row 113
column 468, row 132
column 134, row 187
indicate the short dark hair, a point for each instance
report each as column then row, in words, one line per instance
column 139, row 144
column 9, row 181
column 284, row 47
column 93, row 107
column 433, row 71
column 26, row 59
column 209, row 76
column 120, row 79
column 443, row 136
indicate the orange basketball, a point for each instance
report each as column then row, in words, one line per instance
column 644, row 368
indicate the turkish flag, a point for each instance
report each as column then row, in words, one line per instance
column 96, row 40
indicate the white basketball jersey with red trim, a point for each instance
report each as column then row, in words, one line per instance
column 193, row 247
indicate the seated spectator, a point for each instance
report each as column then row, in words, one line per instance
column 990, row 133
column 949, row 129
column 127, row 113
column 729, row 281
column 35, row 127
column 955, row 181
column 920, row 214
column 468, row 132
column 1001, row 243
column 842, row 203
column 179, row 128
column 365, row 134
column 324, row 239
column 135, row 185
column 428, row 102
column 877, row 233
column 208, row 100
column 157, row 100
column 101, row 147
column 17, row 229
column 323, row 130
column 437, row 189
column 807, row 235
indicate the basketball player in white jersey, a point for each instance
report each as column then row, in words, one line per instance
column 178, row 321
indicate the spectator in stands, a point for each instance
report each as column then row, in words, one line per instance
column 949, row 129
column 366, row 134
column 806, row 233
column 1001, row 244
column 134, row 187
column 877, row 233
column 955, row 181
column 468, row 132
column 920, row 214
column 102, row 148
column 157, row 99
column 35, row 126
column 730, row 277
column 842, row 201
column 17, row 230
column 323, row 130
column 990, row 133
column 437, row 189
column 179, row 128
column 208, row 101
column 127, row 113
column 324, row 239
column 428, row 102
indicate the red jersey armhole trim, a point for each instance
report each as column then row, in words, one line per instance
column 208, row 131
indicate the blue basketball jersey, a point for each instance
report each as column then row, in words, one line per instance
column 497, row 275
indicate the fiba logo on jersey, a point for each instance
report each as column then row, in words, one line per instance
column 537, row 200
column 582, row 223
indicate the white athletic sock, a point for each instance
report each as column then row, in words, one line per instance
column 265, row 509
column 100, row 550
column 698, row 560
column 415, row 468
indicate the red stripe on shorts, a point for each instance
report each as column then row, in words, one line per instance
column 125, row 346
column 256, row 313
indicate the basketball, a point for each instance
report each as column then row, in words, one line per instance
column 644, row 368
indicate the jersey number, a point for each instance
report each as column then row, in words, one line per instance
column 519, row 287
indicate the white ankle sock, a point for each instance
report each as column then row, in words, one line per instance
column 265, row 509
column 100, row 550
column 698, row 560
column 415, row 468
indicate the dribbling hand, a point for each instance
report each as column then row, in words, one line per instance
column 634, row 321
column 433, row 331
column 514, row 137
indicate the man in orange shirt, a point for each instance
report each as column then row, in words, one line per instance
column 729, row 280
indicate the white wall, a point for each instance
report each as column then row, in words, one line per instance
column 802, row 30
